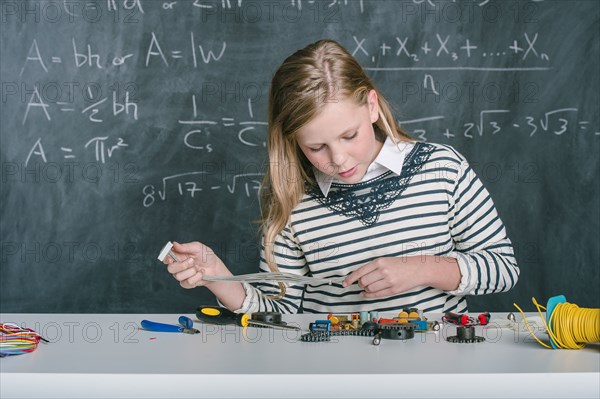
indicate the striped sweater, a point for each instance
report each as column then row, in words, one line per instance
column 435, row 206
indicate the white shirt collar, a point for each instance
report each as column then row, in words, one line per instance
column 390, row 157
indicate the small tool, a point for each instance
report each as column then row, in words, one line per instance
column 256, row 277
column 221, row 315
column 277, row 276
column 185, row 326
column 186, row 322
column 166, row 251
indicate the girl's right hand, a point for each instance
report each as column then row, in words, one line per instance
column 196, row 260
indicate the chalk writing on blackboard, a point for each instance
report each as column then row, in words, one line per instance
column 552, row 123
column 190, row 184
column 92, row 112
column 101, row 147
column 417, row 50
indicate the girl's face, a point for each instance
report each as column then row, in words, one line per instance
column 340, row 140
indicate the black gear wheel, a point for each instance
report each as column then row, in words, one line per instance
column 465, row 335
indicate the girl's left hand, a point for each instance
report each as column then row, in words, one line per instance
column 387, row 276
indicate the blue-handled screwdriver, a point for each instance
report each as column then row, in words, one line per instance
column 185, row 326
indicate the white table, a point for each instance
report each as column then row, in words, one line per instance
column 107, row 355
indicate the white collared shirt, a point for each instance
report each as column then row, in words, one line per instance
column 390, row 157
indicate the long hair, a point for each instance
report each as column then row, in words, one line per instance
column 307, row 80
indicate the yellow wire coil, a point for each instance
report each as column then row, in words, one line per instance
column 572, row 326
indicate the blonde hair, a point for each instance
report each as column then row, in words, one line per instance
column 306, row 81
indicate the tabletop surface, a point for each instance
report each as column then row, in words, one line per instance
column 115, row 343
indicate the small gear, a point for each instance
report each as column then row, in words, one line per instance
column 465, row 335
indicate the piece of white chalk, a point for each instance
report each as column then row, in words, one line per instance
column 167, row 251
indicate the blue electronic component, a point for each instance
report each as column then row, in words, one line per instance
column 421, row 325
column 364, row 317
column 374, row 316
column 320, row 325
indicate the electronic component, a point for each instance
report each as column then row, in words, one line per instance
column 368, row 324
column 484, row 318
column 337, row 319
column 387, row 321
column 320, row 325
column 420, row 325
column 465, row 320
column 364, row 317
column 433, row 325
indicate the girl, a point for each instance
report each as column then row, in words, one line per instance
column 349, row 193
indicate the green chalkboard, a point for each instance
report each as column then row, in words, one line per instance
column 129, row 123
